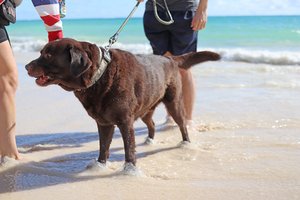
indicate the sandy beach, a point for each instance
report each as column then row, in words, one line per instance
column 246, row 144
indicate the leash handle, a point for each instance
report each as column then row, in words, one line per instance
column 114, row 38
column 171, row 21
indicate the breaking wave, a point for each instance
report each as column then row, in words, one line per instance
column 287, row 57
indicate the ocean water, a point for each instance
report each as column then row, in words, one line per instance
column 254, row 39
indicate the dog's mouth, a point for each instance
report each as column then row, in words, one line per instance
column 44, row 80
column 47, row 80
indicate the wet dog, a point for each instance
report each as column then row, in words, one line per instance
column 117, row 93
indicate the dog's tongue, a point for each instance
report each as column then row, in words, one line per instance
column 41, row 80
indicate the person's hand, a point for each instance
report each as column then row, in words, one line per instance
column 199, row 20
column 140, row 1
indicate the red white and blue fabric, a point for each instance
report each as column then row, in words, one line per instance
column 49, row 13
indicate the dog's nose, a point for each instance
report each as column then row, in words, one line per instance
column 28, row 67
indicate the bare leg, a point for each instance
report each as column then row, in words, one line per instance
column 8, row 87
column 188, row 92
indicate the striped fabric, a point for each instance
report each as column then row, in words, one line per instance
column 49, row 13
column 43, row 2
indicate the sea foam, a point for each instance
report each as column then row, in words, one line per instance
column 286, row 57
column 260, row 56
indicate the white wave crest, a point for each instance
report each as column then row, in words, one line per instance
column 25, row 44
column 233, row 54
column 296, row 31
column 261, row 56
column 135, row 48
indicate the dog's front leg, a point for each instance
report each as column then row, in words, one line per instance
column 105, row 136
column 127, row 131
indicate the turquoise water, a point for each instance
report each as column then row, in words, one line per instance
column 276, row 32
column 253, row 32
column 255, row 39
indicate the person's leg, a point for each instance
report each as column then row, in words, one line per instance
column 157, row 34
column 49, row 11
column 162, row 42
column 8, row 86
column 188, row 92
column 184, row 40
column 169, row 120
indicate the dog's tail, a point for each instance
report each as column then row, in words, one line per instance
column 187, row 60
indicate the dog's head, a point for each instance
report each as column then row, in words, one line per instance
column 66, row 62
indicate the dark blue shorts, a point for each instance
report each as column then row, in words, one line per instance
column 177, row 38
column 3, row 34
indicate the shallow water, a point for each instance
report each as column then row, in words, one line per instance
column 260, row 163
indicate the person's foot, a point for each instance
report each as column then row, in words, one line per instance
column 191, row 125
column 169, row 122
column 6, row 161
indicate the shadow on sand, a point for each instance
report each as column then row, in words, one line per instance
column 61, row 169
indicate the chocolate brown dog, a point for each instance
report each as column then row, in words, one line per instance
column 129, row 87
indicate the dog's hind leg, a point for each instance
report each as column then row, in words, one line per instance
column 147, row 119
column 176, row 109
column 105, row 136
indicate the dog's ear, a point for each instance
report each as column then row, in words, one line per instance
column 80, row 61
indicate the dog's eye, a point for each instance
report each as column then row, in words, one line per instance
column 47, row 56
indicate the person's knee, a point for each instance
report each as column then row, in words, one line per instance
column 9, row 83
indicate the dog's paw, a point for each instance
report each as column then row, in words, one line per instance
column 149, row 141
column 95, row 168
column 130, row 170
column 187, row 151
column 94, row 165
column 184, row 144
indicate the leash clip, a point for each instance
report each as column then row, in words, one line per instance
column 106, row 56
column 114, row 38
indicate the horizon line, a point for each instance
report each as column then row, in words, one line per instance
column 88, row 18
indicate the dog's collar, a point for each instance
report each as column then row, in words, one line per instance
column 103, row 62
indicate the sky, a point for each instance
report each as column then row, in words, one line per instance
column 121, row 8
